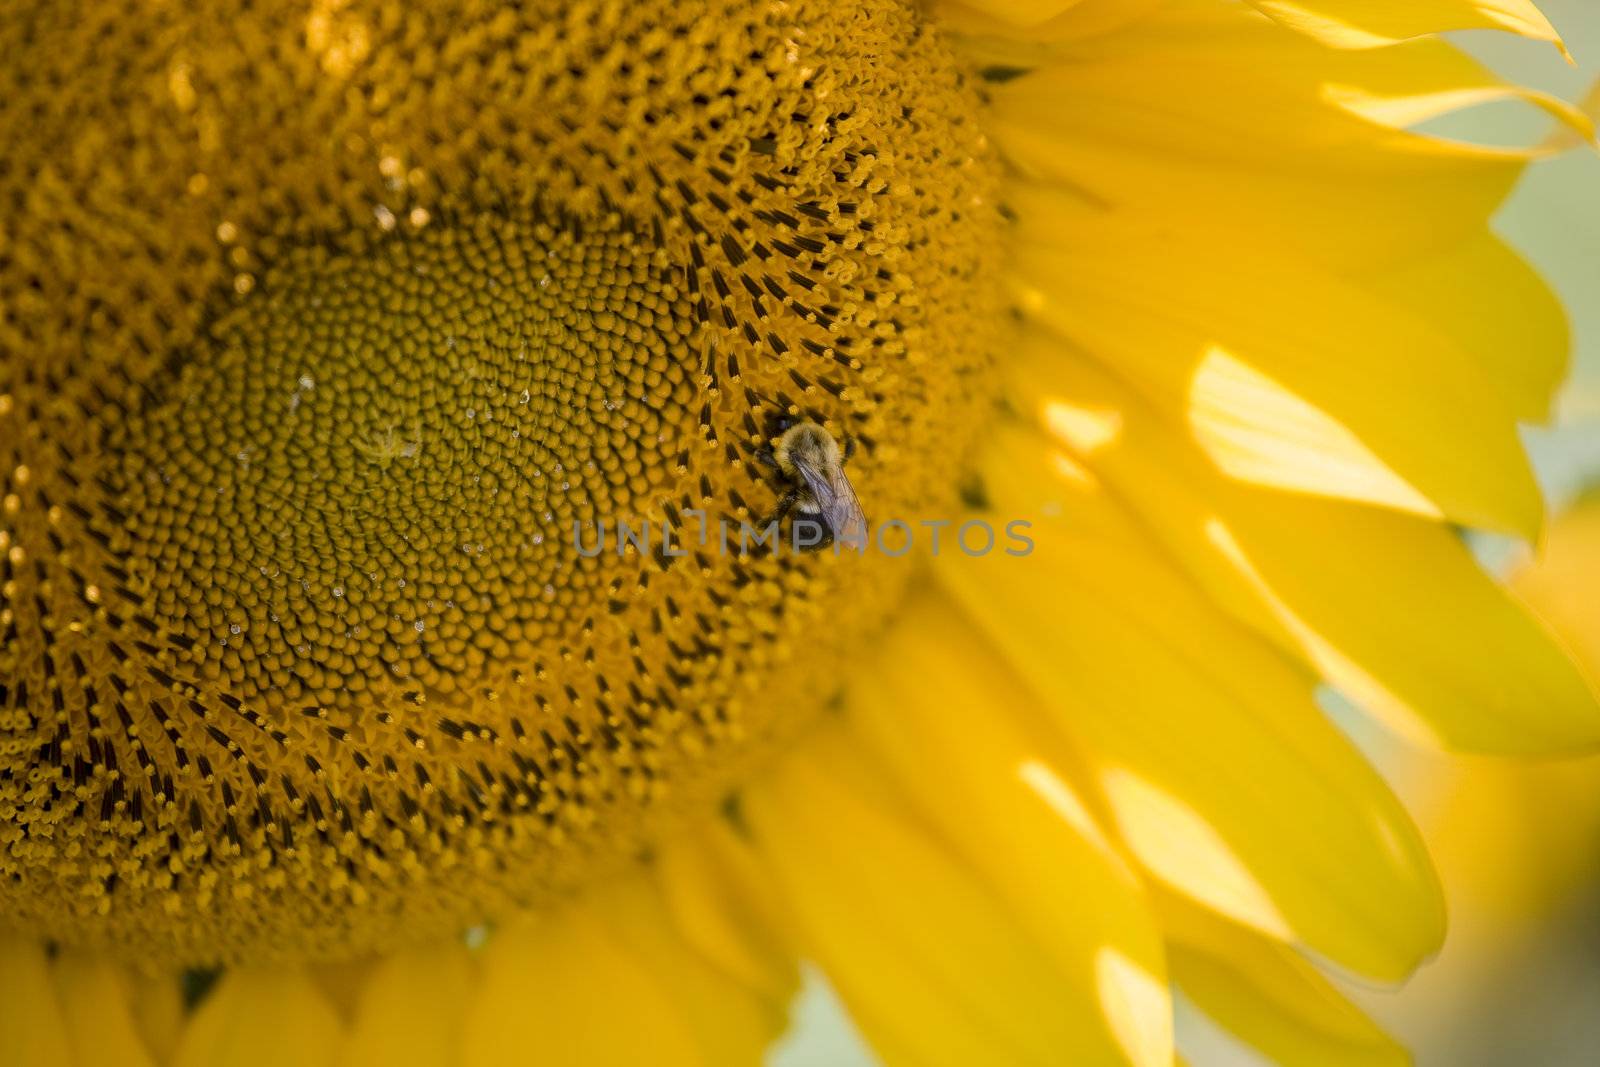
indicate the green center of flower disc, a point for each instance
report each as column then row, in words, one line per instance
column 328, row 343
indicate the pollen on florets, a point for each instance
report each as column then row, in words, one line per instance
column 319, row 337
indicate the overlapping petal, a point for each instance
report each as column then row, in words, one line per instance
column 263, row 1017
column 1015, row 12
column 1252, row 130
column 980, row 764
column 96, row 1011
column 558, row 984
column 991, row 29
column 411, row 1009
column 1224, row 778
column 1374, row 23
column 1489, row 302
column 933, row 961
column 561, row 982
column 1268, row 995
column 722, row 904
column 1450, row 658
column 1289, row 376
column 30, row 1015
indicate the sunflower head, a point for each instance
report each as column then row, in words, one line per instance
column 385, row 390
column 331, row 335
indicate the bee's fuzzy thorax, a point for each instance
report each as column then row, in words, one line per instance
column 807, row 443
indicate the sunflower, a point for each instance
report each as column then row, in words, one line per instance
column 331, row 331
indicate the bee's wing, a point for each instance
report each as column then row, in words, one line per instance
column 849, row 522
column 840, row 506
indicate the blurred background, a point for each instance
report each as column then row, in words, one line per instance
column 1518, row 847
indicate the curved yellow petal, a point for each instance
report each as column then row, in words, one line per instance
column 95, row 1006
column 933, row 966
column 1268, row 995
column 733, row 1023
column 1564, row 585
column 1010, row 12
column 1286, row 375
column 411, row 1008
column 988, row 33
column 1408, row 104
column 1491, row 303
column 158, row 1013
column 262, row 1017
column 722, row 905
column 1391, row 609
column 1253, row 129
column 342, row 983
column 1457, row 657
column 1225, row 780
column 559, row 985
column 34, row 1028
column 1514, row 840
column 606, row 981
column 955, row 730
column 1374, row 23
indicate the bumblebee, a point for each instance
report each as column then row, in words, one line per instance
column 819, row 491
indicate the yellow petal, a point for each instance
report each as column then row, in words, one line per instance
column 1487, row 300
column 262, row 1017
column 733, row 1022
column 410, row 1009
column 723, row 907
column 933, row 967
column 1226, row 781
column 1453, row 655
column 1256, row 430
column 1564, row 585
column 1287, row 375
column 96, row 1009
column 1569, row 137
column 158, row 1013
column 1391, row 609
column 1373, row 23
column 1013, row 12
column 34, row 1028
column 1514, row 842
column 988, row 32
column 342, row 983
column 561, row 986
column 606, row 981
column 1267, row 994
column 1250, row 129
column 947, row 719
column 1399, row 100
